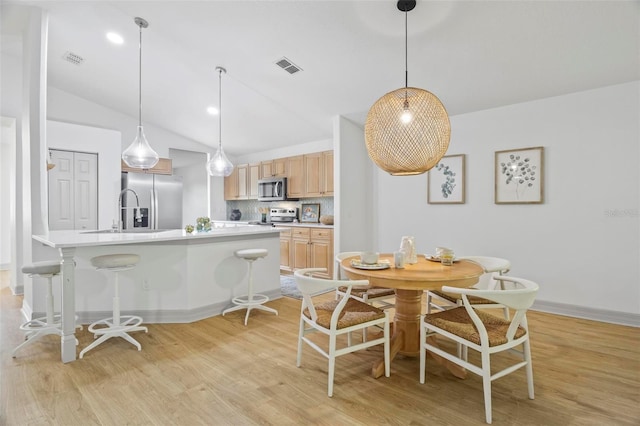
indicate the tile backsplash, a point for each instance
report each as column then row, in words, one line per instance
column 249, row 208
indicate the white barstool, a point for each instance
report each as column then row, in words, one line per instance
column 51, row 323
column 250, row 301
column 116, row 326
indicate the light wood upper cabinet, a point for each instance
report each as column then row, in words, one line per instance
column 295, row 178
column 274, row 168
column 231, row 185
column 327, row 175
column 164, row 167
column 309, row 175
column 318, row 174
column 243, row 180
column 254, row 176
column 280, row 167
column 312, row 175
column 242, row 183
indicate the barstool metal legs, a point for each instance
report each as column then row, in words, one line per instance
column 116, row 326
column 43, row 326
column 250, row 301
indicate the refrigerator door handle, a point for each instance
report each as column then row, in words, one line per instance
column 155, row 209
column 152, row 209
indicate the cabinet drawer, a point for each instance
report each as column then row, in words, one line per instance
column 284, row 232
column 320, row 234
column 300, row 232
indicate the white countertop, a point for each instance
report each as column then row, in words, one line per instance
column 305, row 225
column 62, row 239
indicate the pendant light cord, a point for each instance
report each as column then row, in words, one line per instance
column 140, row 81
column 406, row 49
column 220, row 108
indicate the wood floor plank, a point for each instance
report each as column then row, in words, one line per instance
column 219, row 372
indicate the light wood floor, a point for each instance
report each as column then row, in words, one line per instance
column 219, row 372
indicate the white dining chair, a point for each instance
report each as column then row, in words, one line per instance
column 381, row 296
column 481, row 331
column 337, row 318
column 492, row 266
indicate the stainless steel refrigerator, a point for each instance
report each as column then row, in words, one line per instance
column 159, row 198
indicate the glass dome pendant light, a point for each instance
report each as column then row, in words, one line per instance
column 139, row 154
column 407, row 131
column 219, row 165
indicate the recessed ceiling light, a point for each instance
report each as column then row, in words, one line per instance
column 212, row 110
column 115, row 38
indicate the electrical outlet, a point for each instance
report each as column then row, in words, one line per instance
column 145, row 284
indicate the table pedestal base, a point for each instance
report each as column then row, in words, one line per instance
column 406, row 334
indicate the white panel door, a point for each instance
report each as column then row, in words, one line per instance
column 86, row 190
column 73, row 190
column 61, row 190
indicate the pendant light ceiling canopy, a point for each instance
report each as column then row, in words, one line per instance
column 219, row 164
column 139, row 154
column 407, row 131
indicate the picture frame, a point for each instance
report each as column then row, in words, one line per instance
column 446, row 181
column 310, row 213
column 519, row 176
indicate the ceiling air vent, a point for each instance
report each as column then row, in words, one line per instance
column 288, row 66
column 73, row 58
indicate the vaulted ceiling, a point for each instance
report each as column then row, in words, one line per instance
column 473, row 55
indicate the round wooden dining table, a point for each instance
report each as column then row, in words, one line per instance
column 409, row 284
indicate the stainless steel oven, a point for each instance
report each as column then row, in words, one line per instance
column 283, row 215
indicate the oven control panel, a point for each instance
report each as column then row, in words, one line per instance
column 283, row 214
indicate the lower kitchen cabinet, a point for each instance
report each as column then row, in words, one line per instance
column 307, row 248
column 285, row 250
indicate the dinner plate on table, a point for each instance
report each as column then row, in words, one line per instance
column 370, row 266
column 437, row 259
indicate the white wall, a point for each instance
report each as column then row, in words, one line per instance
column 66, row 107
column 289, row 151
column 194, row 194
column 105, row 143
column 583, row 244
column 353, row 188
column 7, row 183
column 11, row 85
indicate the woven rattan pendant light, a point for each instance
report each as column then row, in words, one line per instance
column 407, row 131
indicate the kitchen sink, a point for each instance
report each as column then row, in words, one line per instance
column 126, row 231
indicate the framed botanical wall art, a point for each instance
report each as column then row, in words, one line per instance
column 519, row 176
column 446, row 181
column 310, row 213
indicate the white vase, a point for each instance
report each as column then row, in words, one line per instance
column 408, row 246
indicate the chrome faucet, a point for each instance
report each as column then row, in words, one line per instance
column 136, row 210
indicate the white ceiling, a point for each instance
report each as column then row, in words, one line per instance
column 473, row 55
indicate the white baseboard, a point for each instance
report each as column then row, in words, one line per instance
column 169, row 316
column 603, row 315
column 197, row 314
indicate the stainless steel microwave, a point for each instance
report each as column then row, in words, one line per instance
column 272, row 189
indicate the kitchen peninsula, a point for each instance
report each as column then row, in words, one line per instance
column 180, row 277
